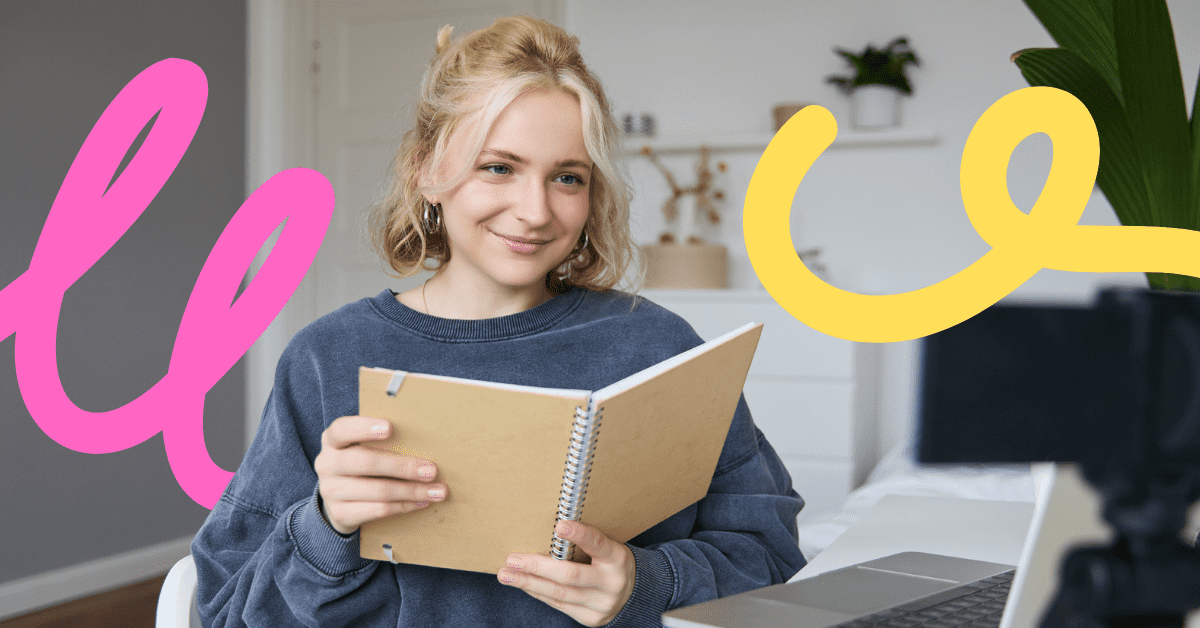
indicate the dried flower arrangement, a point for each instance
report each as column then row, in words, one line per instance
column 808, row 257
column 706, row 196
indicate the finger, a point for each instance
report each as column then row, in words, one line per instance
column 348, row 516
column 582, row 614
column 364, row 461
column 589, row 539
column 372, row 489
column 349, row 430
column 565, row 572
column 549, row 589
column 569, row 609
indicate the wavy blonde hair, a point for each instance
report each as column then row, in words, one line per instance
column 476, row 77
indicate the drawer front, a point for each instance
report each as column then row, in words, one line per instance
column 823, row 484
column 802, row 418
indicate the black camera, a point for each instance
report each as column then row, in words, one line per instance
column 1114, row 387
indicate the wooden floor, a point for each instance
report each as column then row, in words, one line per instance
column 128, row 607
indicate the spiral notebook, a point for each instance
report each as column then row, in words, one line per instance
column 518, row 458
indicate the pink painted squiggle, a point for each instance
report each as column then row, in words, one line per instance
column 85, row 221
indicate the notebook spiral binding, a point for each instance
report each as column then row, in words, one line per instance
column 575, row 477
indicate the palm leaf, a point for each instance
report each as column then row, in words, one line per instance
column 1155, row 107
column 1120, row 175
column 1149, row 157
column 1084, row 27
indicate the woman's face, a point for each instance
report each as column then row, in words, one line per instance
column 521, row 209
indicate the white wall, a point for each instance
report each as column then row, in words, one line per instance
column 887, row 220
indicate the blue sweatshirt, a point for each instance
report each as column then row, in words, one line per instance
column 266, row 556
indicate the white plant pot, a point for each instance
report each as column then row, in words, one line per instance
column 874, row 107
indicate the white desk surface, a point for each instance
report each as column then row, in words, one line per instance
column 992, row 531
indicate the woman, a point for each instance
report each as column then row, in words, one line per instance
column 506, row 186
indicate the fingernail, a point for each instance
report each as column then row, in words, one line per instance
column 427, row 471
column 379, row 430
column 513, row 563
column 437, row 493
column 565, row 528
column 507, row 578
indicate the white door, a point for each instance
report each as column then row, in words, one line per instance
column 371, row 55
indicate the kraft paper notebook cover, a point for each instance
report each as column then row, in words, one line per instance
column 505, row 452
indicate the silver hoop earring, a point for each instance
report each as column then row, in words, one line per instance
column 568, row 266
column 432, row 219
column 580, row 247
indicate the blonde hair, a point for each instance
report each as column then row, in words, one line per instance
column 477, row 77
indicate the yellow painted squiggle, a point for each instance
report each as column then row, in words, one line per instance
column 1022, row 244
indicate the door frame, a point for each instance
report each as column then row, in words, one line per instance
column 280, row 134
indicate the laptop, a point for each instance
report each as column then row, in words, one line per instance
column 912, row 586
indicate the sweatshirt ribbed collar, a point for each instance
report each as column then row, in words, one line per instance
column 524, row 323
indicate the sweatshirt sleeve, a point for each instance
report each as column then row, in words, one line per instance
column 741, row 536
column 266, row 556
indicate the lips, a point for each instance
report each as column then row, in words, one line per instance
column 522, row 245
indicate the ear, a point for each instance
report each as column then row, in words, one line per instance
column 429, row 197
column 424, row 180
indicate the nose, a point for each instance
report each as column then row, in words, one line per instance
column 533, row 206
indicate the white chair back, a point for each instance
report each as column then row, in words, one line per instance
column 177, row 599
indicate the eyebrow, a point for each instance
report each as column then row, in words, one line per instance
column 566, row 163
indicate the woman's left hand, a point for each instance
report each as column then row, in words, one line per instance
column 591, row 594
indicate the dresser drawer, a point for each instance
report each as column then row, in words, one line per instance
column 803, row 418
column 823, row 484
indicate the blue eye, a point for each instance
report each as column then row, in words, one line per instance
column 497, row 168
column 571, row 179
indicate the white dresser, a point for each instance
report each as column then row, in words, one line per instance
column 811, row 394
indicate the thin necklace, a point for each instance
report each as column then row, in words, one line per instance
column 426, row 302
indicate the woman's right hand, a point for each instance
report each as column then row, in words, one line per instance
column 359, row 484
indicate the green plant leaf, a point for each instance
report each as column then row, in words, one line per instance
column 1130, row 47
column 1169, row 281
column 877, row 67
column 1155, row 107
column 850, row 57
column 1120, row 175
column 1084, row 27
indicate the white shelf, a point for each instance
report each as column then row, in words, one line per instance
column 757, row 142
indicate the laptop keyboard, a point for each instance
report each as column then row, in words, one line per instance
column 975, row 605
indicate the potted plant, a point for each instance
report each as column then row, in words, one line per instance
column 877, row 83
column 1118, row 58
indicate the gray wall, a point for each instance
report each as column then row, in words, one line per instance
column 61, row 63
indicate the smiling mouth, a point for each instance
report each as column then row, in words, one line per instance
column 522, row 245
column 523, row 240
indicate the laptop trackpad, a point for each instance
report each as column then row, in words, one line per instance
column 856, row 590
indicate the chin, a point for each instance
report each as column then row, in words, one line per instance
column 522, row 274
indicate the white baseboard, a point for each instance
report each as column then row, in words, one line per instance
column 63, row 585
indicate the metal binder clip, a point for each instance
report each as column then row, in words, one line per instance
column 394, row 385
column 387, row 549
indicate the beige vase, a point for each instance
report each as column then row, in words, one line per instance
column 686, row 266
